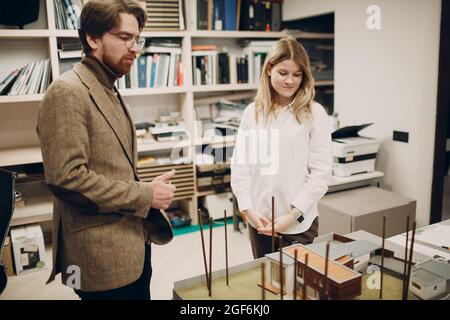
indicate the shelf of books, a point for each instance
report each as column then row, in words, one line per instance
column 201, row 64
column 27, row 83
column 28, row 72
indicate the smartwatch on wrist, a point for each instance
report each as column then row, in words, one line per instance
column 297, row 214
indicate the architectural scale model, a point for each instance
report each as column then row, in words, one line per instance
column 332, row 267
column 431, row 279
column 353, row 253
column 341, row 281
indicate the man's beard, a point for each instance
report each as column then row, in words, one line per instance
column 122, row 66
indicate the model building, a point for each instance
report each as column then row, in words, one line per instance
column 341, row 282
column 431, row 279
column 353, row 253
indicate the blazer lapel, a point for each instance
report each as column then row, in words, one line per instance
column 106, row 108
column 133, row 132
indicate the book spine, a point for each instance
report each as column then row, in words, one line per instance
column 202, row 14
column 219, row 14
column 276, row 16
column 193, row 14
column 142, row 71
column 251, row 15
column 210, row 14
column 149, row 70
column 244, row 20
column 8, row 82
column 233, row 69
column 259, row 15
column 230, row 14
column 154, row 66
column 27, row 79
column 71, row 13
column 267, row 16
column 170, row 81
column 180, row 72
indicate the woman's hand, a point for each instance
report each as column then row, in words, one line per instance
column 282, row 223
column 256, row 219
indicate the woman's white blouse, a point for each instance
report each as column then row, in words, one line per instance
column 284, row 159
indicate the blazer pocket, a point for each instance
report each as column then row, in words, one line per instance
column 77, row 221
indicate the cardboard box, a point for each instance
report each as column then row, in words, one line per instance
column 7, row 257
column 28, row 248
column 363, row 209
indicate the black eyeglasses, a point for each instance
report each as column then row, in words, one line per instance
column 130, row 41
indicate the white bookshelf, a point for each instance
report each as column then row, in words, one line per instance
column 236, row 34
column 145, row 34
column 151, row 91
column 36, row 209
column 224, row 87
column 216, row 141
column 312, row 35
column 21, row 98
column 40, row 40
column 20, row 155
column 158, row 146
column 24, row 34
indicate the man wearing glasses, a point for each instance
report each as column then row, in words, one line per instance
column 104, row 218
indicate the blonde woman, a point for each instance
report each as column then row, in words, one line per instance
column 282, row 149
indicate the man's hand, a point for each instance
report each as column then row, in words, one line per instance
column 282, row 223
column 256, row 219
column 163, row 191
column 166, row 177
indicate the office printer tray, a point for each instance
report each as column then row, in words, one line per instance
column 355, row 146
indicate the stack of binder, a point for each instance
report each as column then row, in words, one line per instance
column 164, row 15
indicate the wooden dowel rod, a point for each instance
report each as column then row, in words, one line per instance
column 263, row 281
column 325, row 284
column 406, row 260
column 280, row 246
column 273, row 224
column 304, row 277
column 210, row 255
column 226, row 246
column 203, row 247
column 295, row 275
column 411, row 248
column 382, row 258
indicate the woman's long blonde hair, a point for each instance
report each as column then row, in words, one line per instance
column 287, row 48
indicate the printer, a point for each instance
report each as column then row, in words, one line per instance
column 352, row 153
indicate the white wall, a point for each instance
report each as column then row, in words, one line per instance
column 388, row 77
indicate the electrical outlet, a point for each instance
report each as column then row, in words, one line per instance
column 400, row 136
